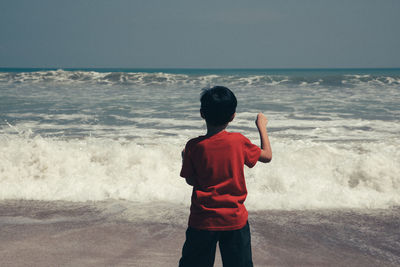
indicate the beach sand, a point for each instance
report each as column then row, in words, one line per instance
column 121, row 233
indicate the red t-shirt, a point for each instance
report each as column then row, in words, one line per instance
column 216, row 163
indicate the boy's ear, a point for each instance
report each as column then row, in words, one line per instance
column 232, row 117
column 202, row 114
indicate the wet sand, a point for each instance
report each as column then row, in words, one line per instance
column 118, row 233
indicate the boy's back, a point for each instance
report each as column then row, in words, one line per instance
column 220, row 190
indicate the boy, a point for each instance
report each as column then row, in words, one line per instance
column 213, row 164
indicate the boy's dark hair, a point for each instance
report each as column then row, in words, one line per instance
column 218, row 104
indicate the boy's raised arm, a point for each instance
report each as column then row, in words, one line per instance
column 266, row 152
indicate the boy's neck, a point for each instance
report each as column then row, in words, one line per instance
column 212, row 130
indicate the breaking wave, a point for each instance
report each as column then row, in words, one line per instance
column 229, row 79
column 302, row 175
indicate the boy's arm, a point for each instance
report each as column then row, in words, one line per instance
column 189, row 180
column 266, row 152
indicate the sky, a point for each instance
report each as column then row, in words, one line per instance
column 200, row 33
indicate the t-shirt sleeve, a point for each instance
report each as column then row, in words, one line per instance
column 251, row 153
column 187, row 170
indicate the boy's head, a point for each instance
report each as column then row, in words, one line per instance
column 218, row 105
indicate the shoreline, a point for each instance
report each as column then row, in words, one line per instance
column 122, row 233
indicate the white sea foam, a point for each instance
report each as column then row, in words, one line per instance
column 302, row 175
column 305, row 175
column 90, row 169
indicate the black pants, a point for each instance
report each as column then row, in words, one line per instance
column 200, row 245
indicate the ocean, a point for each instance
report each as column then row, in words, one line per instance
column 113, row 137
